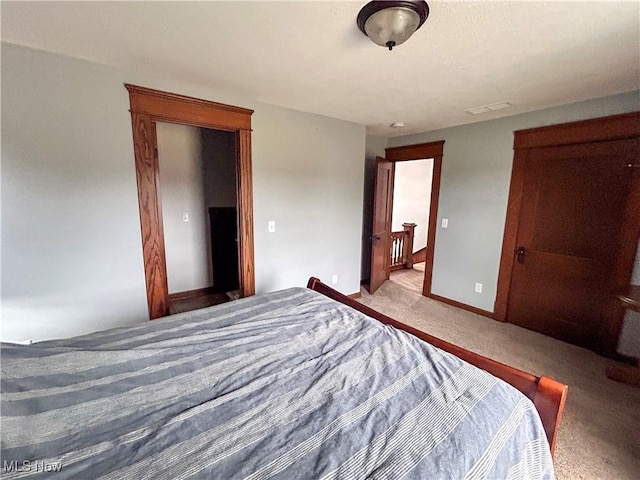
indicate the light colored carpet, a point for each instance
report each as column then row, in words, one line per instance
column 600, row 433
column 411, row 279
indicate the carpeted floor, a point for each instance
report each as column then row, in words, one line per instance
column 600, row 433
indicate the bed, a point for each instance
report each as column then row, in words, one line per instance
column 299, row 383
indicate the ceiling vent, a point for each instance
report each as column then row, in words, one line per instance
column 488, row 108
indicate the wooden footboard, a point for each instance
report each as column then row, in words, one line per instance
column 548, row 395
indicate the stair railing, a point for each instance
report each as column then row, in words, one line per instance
column 401, row 247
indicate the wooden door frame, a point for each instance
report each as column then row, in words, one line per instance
column 148, row 106
column 423, row 151
column 615, row 127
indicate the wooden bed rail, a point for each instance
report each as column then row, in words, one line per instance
column 548, row 395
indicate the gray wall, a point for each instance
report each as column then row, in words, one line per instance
column 219, row 167
column 375, row 146
column 474, row 189
column 71, row 247
column 308, row 178
column 182, row 191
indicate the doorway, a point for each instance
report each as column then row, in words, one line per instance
column 382, row 238
column 410, row 222
column 573, row 222
column 148, row 107
column 199, row 214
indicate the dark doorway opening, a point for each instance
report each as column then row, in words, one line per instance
column 198, row 187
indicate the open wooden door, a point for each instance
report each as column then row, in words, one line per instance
column 570, row 234
column 381, row 231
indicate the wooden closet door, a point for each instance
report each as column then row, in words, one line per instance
column 569, row 233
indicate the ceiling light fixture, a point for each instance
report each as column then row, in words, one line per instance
column 397, row 125
column 391, row 23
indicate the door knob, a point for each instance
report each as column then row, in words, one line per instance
column 520, row 252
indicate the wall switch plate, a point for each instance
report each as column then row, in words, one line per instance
column 334, row 279
column 185, row 217
column 478, row 287
column 445, row 223
column 272, row 226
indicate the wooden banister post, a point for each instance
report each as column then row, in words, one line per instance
column 408, row 244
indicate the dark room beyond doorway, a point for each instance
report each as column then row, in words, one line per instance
column 198, row 185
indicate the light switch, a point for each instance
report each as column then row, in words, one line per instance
column 445, row 222
column 185, row 217
column 478, row 287
column 272, row 226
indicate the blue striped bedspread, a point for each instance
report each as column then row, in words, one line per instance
column 285, row 385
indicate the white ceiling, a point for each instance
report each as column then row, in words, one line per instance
column 310, row 55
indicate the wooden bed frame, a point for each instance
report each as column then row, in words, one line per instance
column 548, row 395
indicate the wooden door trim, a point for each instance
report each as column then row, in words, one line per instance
column 418, row 152
column 149, row 106
column 174, row 108
column 392, row 189
column 603, row 129
column 463, row 306
column 616, row 127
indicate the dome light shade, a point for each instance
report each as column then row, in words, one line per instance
column 391, row 23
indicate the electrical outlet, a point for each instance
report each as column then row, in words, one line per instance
column 272, row 226
column 334, row 279
column 185, row 217
column 445, row 223
column 478, row 287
